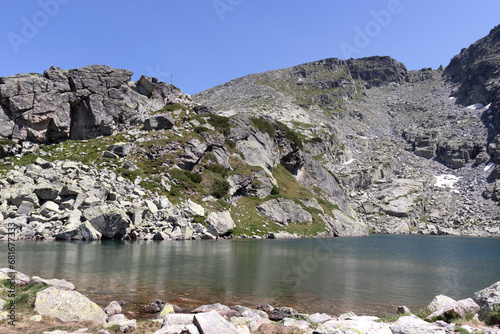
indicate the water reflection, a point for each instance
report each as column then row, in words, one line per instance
column 365, row 275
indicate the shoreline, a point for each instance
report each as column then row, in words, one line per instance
column 56, row 299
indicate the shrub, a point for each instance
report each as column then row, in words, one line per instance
column 275, row 190
column 200, row 129
column 220, row 188
column 221, row 123
column 216, row 168
column 263, row 126
column 316, row 140
column 196, row 178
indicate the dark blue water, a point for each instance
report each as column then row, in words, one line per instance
column 364, row 275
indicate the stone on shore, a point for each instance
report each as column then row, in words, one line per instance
column 413, row 324
column 488, row 299
column 68, row 306
column 113, row 308
column 213, row 322
column 458, row 309
column 440, row 302
column 20, row 278
column 58, row 283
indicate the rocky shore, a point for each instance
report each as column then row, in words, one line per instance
column 54, row 306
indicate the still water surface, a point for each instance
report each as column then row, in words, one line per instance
column 364, row 275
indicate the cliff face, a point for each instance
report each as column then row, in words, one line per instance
column 328, row 148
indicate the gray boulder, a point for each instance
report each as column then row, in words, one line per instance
column 109, row 220
column 413, row 324
column 47, row 191
column 220, row 223
column 113, row 308
column 213, row 322
column 121, row 149
column 488, row 299
column 284, row 211
column 68, row 306
column 159, row 122
column 58, row 283
column 440, row 302
column 20, row 278
column 458, row 309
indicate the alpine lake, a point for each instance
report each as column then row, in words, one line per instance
column 366, row 275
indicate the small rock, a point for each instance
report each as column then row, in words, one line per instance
column 113, row 308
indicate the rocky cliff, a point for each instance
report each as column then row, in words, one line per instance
column 88, row 154
column 328, row 148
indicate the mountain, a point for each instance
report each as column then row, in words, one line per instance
column 416, row 151
column 328, row 148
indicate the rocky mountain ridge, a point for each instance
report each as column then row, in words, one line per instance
column 328, row 148
column 415, row 150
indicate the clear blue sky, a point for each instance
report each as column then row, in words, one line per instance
column 204, row 43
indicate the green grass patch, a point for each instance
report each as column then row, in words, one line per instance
column 169, row 108
column 25, row 296
column 493, row 317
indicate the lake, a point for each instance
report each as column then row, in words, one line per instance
column 367, row 275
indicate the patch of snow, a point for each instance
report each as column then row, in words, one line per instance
column 476, row 106
column 446, row 181
column 488, row 106
column 489, row 166
column 349, row 162
column 452, row 98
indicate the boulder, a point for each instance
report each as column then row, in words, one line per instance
column 159, row 122
column 440, row 302
column 109, row 220
column 79, row 231
column 413, row 324
column 284, row 211
column 458, row 309
column 58, row 283
column 46, row 191
column 121, row 149
column 319, row 318
column 488, row 299
column 68, row 306
column 213, row 307
column 113, row 308
column 166, row 310
column 20, row 278
column 220, row 223
column 193, row 209
column 154, row 306
column 213, row 322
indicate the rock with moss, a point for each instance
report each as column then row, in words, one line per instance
column 440, row 302
column 68, row 306
column 488, row 299
column 20, row 279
